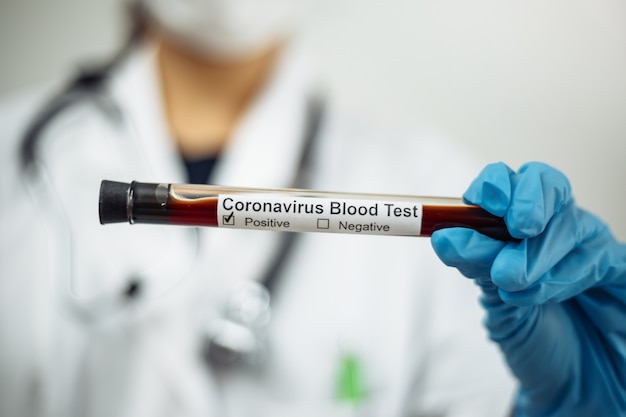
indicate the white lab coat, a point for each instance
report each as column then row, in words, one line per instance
column 70, row 346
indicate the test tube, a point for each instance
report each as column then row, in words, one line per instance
column 290, row 210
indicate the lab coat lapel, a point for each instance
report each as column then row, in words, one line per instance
column 138, row 93
column 264, row 152
column 265, row 149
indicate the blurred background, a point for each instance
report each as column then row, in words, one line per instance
column 515, row 81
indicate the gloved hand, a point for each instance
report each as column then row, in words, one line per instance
column 556, row 300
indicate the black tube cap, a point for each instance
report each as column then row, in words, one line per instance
column 113, row 204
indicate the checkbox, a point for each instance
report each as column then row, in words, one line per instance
column 228, row 220
column 323, row 223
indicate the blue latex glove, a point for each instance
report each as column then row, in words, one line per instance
column 556, row 300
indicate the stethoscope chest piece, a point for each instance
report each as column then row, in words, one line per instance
column 238, row 336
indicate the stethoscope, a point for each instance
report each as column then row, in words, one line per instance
column 237, row 337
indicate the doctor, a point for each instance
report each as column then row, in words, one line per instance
column 144, row 321
column 119, row 320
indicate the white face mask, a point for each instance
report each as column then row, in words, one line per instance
column 227, row 29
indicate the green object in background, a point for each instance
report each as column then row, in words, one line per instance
column 350, row 382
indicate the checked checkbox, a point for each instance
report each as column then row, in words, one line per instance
column 228, row 220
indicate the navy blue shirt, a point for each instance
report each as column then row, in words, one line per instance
column 199, row 170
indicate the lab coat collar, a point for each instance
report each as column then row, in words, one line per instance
column 265, row 148
column 268, row 143
column 135, row 88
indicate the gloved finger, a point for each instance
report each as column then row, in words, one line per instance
column 491, row 189
column 538, row 192
column 520, row 265
column 527, row 200
column 471, row 252
column 580, row 269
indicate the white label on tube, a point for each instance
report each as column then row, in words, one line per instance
column 314, row 214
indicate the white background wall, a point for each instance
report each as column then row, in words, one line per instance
column 516, row 80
